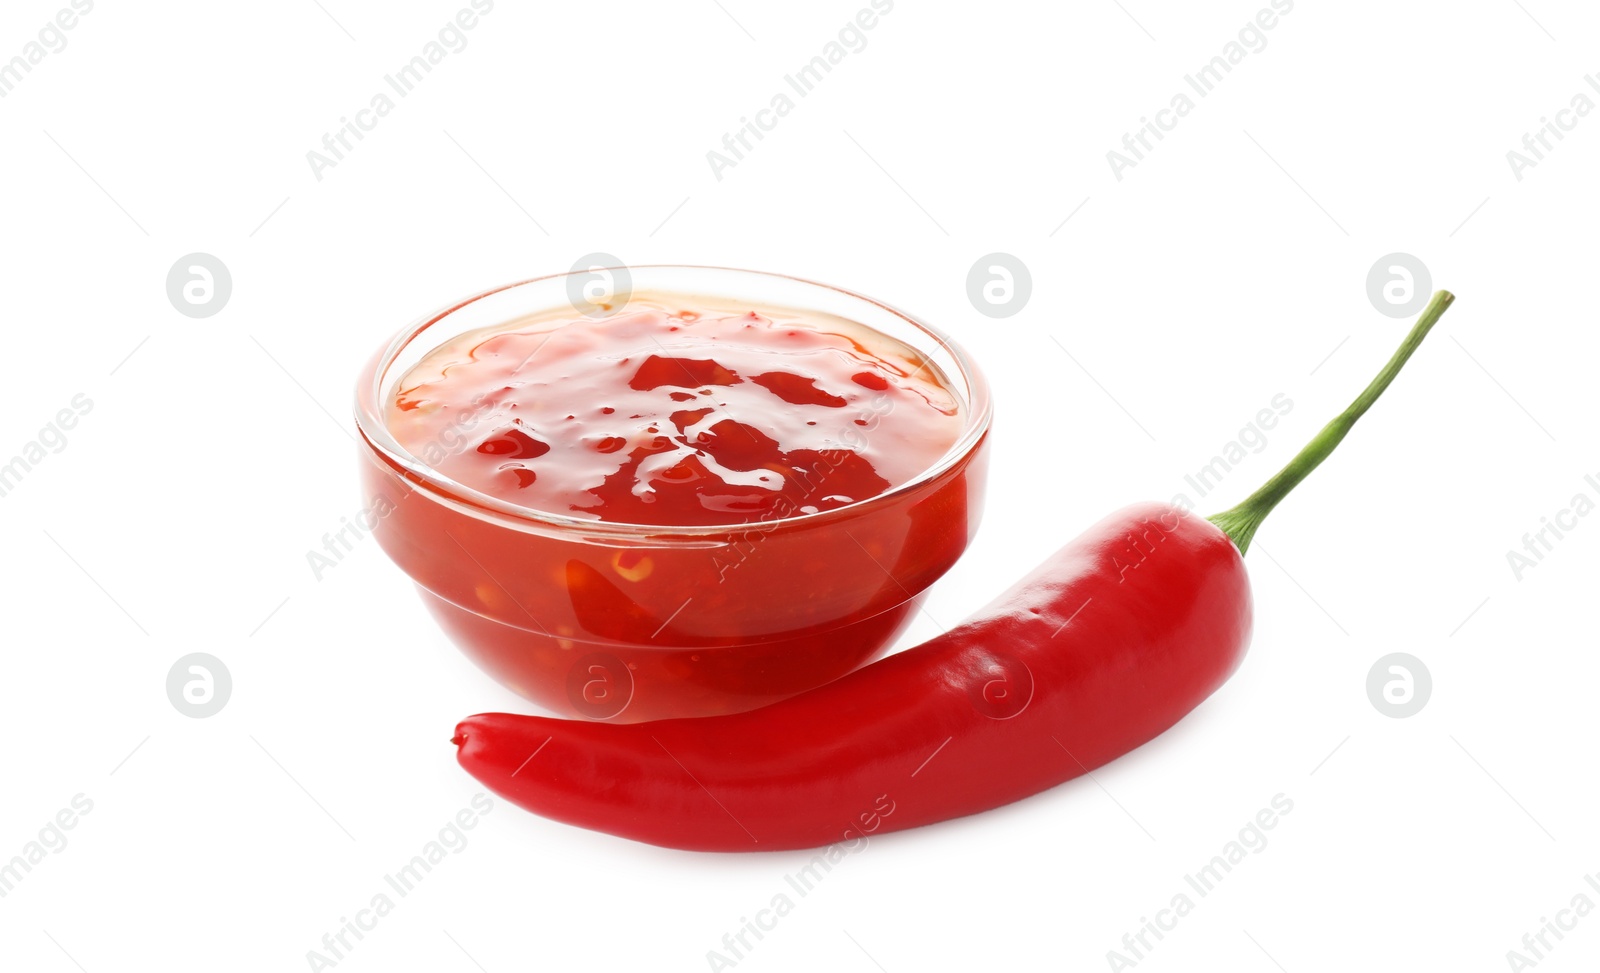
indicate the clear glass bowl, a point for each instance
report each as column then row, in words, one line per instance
column 627, row 622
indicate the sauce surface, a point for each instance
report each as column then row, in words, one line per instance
column 677, row 411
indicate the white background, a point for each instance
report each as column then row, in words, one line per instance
column 1227, row 267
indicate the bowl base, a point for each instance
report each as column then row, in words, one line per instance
column 622, row 684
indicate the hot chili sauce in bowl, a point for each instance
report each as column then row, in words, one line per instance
column 721, row 489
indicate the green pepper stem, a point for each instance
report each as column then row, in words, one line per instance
column 1240, row 522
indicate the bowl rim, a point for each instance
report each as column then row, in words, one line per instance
column 375, row 434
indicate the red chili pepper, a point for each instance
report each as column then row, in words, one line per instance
column 1109, row 642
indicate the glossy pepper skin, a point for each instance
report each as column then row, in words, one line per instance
column 1109, row 642
column 1105, row 645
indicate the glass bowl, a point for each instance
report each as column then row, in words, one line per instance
column 629, row 622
